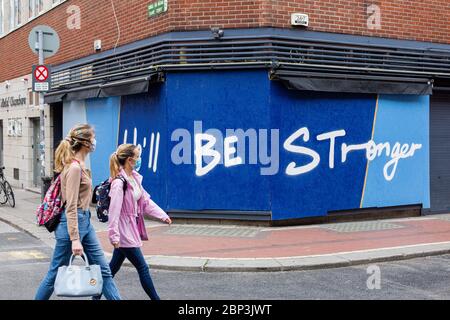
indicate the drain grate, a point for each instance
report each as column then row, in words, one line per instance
column 212, row 231
column 362, row 226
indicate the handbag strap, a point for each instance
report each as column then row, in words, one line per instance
column 84, row 257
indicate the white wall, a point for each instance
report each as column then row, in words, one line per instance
column 17, row 150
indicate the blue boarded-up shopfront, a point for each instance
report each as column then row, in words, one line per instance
column 239, row 143
column 286, row 137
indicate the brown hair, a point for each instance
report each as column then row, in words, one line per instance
column 118, row 158
column 78, row 137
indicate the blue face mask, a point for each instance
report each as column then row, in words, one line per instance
column 137, row 166
column 93, row 145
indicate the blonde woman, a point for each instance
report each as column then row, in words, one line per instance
column 75, row 234
column 126, row 226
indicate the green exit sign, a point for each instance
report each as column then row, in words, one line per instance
column 157, row 7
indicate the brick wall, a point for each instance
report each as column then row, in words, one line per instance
column 425, row 20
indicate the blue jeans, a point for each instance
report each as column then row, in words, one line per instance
column 135, row 256
column 63, row 251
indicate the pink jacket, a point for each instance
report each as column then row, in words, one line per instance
column 123, row 226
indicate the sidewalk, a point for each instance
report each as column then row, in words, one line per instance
column 236, row 248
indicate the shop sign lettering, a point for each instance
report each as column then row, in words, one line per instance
column 12, row 102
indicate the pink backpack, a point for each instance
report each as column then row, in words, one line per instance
column 49, row 212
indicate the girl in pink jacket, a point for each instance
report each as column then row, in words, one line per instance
column 129, row 202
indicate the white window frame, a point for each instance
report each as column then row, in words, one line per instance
column 17, row 13
column 10, row 128
column 19, row 127
column 12, row 18
column 2, row 17
column 15, row 127
column 31, row 11
column 38, row 8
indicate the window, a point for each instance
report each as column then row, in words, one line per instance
column 39, row 6
column 15, row 13
column 18, row 12
column 11, row 15
column 19, row 127
column 30, row 97
column 1, row 17
column 10, row 127
column 15, row 127
column 31, row 8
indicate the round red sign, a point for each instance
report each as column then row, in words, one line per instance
column 41, row 73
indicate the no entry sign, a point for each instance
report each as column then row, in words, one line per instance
column 41, row 73
column 41, row 78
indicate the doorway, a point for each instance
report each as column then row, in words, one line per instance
column 36, row 156
column 440, row 153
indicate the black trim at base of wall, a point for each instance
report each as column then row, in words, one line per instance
column 356, row 215
column 263, row 218
column 219, row 222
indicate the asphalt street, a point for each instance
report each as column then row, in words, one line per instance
column 24, row 261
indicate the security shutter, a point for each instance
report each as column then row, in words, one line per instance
column 440, row 152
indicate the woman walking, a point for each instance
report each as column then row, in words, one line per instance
column 129, row 201
column 75, row 234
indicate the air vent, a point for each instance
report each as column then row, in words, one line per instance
column 257, row 52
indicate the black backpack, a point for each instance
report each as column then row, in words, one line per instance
column 101, row 197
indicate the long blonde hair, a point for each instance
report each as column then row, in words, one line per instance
column 118, row 158
column 78, row 136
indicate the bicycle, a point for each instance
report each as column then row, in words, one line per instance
column 6, row 192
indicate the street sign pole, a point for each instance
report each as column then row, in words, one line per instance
column 42, row 116
column 43, row 41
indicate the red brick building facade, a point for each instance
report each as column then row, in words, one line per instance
column 400, row 19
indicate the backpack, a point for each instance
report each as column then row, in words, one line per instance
column 102, row 199
column 49, row 212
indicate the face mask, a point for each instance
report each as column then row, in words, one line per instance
column 137, row 166
column 93, row 145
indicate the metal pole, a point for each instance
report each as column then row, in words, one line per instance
column 42, row 117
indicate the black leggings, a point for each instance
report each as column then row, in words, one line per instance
column 135, row 256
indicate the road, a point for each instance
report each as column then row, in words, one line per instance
column 24, row 261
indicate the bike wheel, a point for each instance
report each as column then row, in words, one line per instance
column 10, row 194
column 3, row 195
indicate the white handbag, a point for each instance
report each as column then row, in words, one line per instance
column 79, row 281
